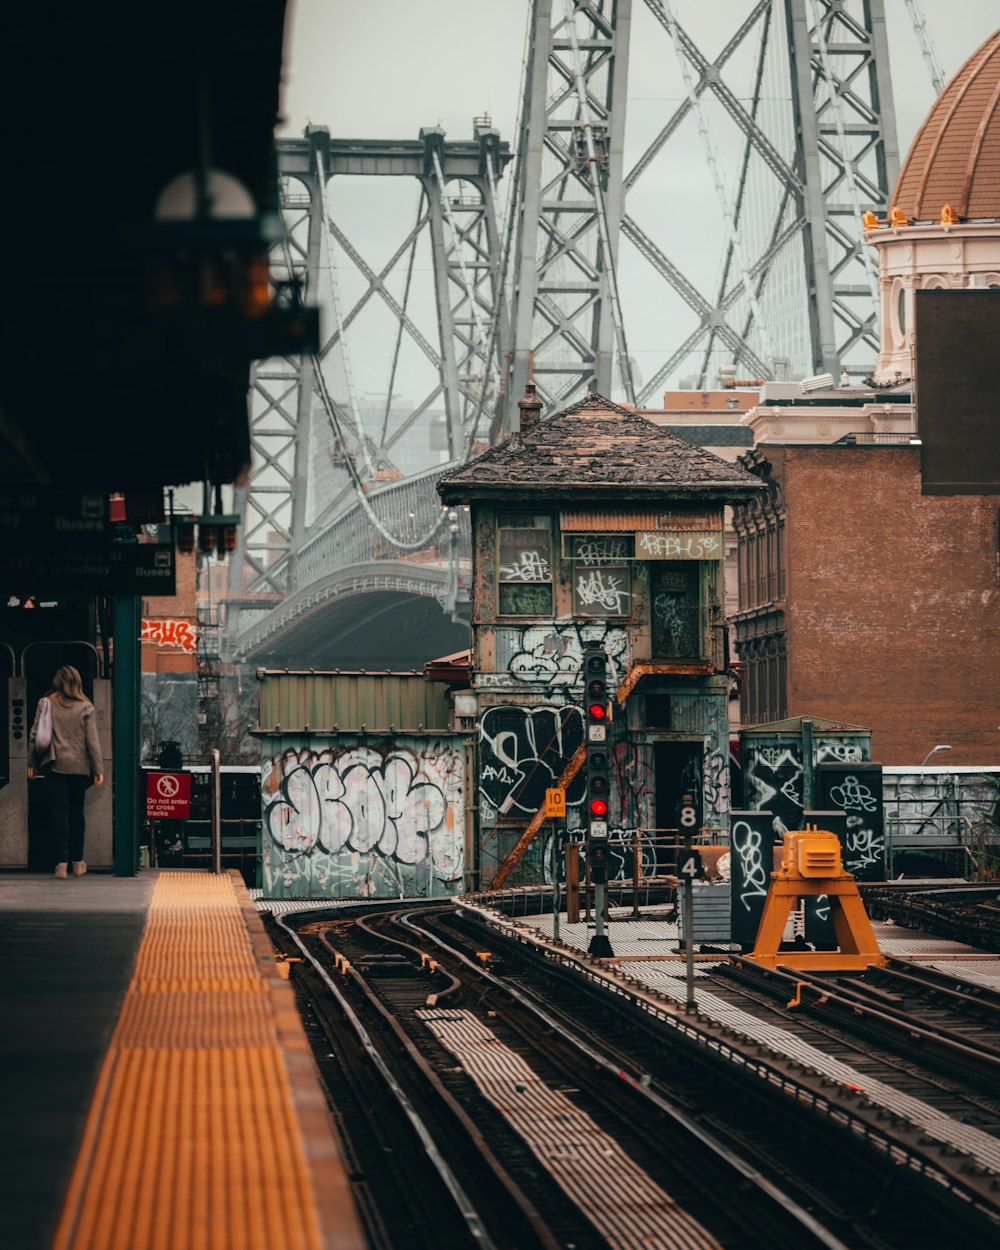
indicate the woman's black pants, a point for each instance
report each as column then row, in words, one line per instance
column 67, row 792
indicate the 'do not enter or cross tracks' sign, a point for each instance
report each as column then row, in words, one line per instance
column 168, row 796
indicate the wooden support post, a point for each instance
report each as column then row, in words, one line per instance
column 572, row 882
column 636, row 856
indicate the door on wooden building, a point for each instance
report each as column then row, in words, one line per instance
column 675, row 595
column 678, row 770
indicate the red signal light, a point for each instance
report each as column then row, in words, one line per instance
column 598, row 807
column 597, row 711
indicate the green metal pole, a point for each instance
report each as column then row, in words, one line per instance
column 808, row 766
column 125, row 686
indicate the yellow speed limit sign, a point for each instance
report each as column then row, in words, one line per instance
column 555, row 803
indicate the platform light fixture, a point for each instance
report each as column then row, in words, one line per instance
column 941, row 746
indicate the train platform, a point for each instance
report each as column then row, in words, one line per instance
column 159, row 1089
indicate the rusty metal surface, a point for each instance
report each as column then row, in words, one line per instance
column 595, row 520
column 293, row 702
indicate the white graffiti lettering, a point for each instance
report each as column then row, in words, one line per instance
column 597, row 589
column 550, row 655
column 853, row 793
column 523, row 752
column 747, row 845
column 601, row 550
column 532, row 566
column 674, row 547
column 360, row 823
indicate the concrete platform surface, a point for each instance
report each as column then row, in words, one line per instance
column 67, row 949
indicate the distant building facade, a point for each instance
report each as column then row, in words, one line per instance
column 860, row 597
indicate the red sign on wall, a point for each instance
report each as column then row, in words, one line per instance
column 168, row 796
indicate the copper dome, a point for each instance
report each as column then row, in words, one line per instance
column 955, row 157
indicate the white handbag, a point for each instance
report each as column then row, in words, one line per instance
column 43, row 731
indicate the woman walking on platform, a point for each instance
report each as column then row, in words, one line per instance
column 70, row 759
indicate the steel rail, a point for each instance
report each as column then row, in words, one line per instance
column 847, row 1006
column 746, row 1170
column 928, row 1157
column 472, row 1219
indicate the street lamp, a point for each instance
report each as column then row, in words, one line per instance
column 941, row 746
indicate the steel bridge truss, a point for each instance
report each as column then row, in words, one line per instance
column 317, row 451
column 794, row 285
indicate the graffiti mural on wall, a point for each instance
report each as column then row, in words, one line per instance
column 773, row 779
column 773, row 776
column 633, row 785
column 751, row 843
column 715, row 786
column 356, row 822
column 856, row 790
column 172, row 632
column 548, row 656
column 523, row 752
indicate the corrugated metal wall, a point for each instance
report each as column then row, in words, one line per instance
column 294, row 702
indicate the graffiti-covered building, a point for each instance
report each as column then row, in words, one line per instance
column 595, row 527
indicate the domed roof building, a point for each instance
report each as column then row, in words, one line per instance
column 943, row 228
column 866, row 594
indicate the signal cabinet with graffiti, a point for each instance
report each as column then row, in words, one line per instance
column 596, row 528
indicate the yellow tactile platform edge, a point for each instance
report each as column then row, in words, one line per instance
column 207, row 1129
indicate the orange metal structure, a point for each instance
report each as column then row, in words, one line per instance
column 811, row 866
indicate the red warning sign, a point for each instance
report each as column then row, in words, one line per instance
column 168, row 796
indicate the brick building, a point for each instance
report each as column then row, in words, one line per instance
column 861, row 598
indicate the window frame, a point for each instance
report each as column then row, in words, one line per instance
column 622, row 564
column 535, row 521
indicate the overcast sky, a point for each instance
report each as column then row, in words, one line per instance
column 385, row 68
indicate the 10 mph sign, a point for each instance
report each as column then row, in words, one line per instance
column 168, row 796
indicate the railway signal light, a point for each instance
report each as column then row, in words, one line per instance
column 595, row 687
column 595, row 682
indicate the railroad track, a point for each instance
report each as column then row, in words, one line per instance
column 607, row 1117
column 958, row 911
column 917, row 1028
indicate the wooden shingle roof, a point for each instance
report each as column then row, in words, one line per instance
column 596, row 449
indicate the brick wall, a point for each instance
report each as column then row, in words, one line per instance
column 158, row 658
column 894, row 604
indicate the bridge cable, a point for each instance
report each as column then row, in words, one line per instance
column 399, row 334
column 926, row 46
column 359, row 484
column 666, row 15
column 363, row 441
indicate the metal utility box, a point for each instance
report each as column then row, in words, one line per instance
column 780, row 761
